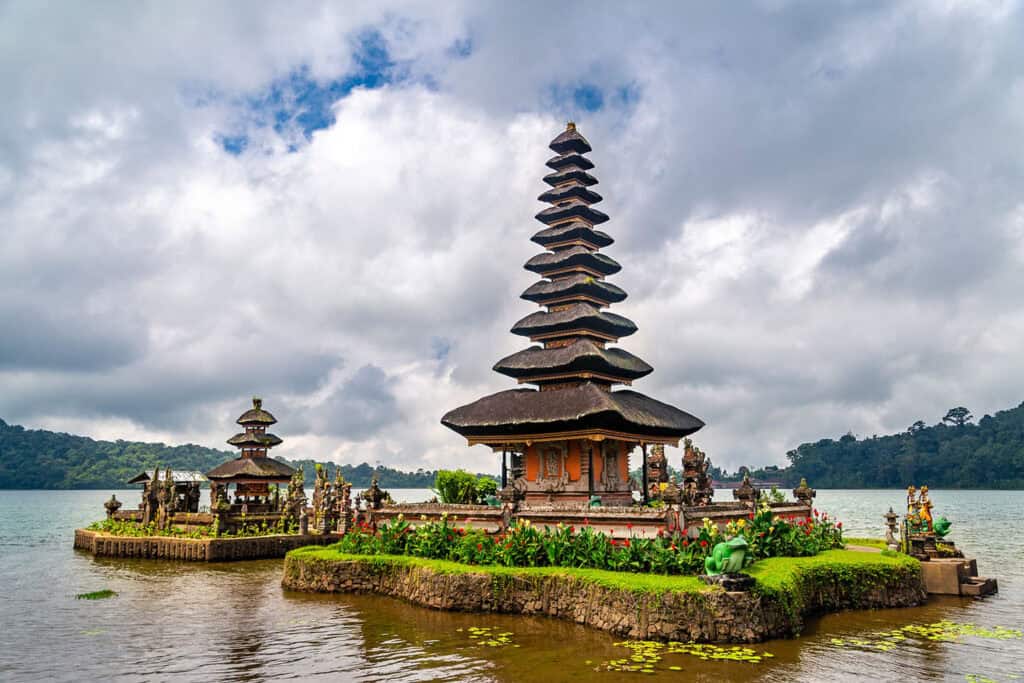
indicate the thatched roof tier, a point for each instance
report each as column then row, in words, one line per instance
column 591, row 261
column 576, row 285
column 583, row 355
column 570, row 173
column 253, row 440
column 567, row 232
column 256, row 415
column 570, row 140
column 252, row 468
column 572, row 320
column 519, row 413
column 570, row 159
column 574, row 369
column 567, row 210
column 571, row 190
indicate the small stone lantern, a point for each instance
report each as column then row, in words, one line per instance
column 890, row 533
column 112, row 506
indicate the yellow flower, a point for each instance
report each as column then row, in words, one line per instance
column 741, row 523
column 423, row 518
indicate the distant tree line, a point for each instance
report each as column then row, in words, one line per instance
column 953, row 453
column 40, row 459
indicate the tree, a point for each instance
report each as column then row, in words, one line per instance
column 916, row 427
column 958, row 416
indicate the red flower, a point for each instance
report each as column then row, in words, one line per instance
column 586, row 521
column 479, row 547
column 629, row 525
column 626, row 543
column 572, row 530
column 703, row 544
column 686, row 542
column 815, row 512
column 761, row 535
column 751, row 515
column 807, row 531
column 839, row 525
column 672, row 547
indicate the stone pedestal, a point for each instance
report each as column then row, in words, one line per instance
column 730, row 582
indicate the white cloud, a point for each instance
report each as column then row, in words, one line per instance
column 817, row 213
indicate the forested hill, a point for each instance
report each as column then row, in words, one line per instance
column 40, row 459
column 955, row 453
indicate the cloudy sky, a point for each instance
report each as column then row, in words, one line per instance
column 819, row 208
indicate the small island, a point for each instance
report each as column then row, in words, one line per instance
column 567, row 535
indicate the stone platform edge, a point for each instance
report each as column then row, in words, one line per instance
column 707, row 615
column 195, row 549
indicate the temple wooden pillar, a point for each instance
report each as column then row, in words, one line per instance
column 643, row 473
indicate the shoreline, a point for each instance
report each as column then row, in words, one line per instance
column 637, row 606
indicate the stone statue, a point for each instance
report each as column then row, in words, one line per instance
column 924, row 506
column 112, row 506
column 295, row 502
column 746, row 492
column 697, row 489
column 726, row 557
column 804, row 493
column 374, row 496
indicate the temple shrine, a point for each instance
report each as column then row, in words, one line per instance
column 253, row 471
column 570, row 438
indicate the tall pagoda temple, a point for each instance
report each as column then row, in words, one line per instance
column 253, row 470
column 571, row 437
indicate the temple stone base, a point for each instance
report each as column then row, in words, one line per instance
column 195, row 549
column 956, row 576
column 710, row 614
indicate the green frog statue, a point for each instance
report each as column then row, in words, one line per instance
column 726, row 557
column 941, row 527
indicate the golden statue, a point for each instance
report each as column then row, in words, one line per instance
column 911, row 501
column 925, row 508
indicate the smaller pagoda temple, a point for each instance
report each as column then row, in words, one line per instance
column 252, row 472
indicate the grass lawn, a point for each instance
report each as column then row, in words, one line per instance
column 772, row 574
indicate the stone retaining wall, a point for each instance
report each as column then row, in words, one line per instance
column 707, row 616
column 195, row 549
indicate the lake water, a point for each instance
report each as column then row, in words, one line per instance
column 233, row 622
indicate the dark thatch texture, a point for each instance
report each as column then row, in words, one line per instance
column 252, row 468
column 581, row 356
column 573, row 256
column 587, row 406
column 573, row 231
column 573, row 208
column 255, row 440
column 570, row 141
column 570, row 159
column 580, row 316
column 570, row 173
column 568, row 191
column 256, row 415
column 577, row 284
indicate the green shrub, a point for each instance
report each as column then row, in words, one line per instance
column 463, row 488
column 526, row 545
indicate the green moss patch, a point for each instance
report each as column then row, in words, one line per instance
column 96, row 595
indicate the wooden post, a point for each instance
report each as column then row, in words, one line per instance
column 643, row 472
column 504, row 466
column 590, row 470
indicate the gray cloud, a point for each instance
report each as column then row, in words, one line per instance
column 817, row 209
